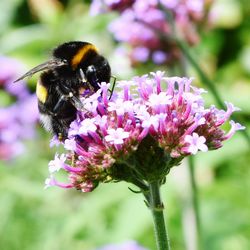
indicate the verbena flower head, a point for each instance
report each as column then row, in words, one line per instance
column 18, row 118
column 146, row 128
column 142, row 23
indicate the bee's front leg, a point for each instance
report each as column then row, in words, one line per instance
column 63, row 98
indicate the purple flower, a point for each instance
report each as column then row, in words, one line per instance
column 159, row 57
column 101, row 6
column 17, row 123
column 164, row 119
column 54, row 141
column 116, row 136
column 196, row 143
column 70, row 144
column 87, row 126
column 57, row 163
column 140, row 22
column 234, row 127
column 140, row 54
column 171, row 4
column 10, row 70
column 130, row 245
column 51, row 181
column 18, row 120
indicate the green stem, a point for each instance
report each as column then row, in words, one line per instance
column 157, row 208
column 143, row 187
column 194, row 189
column 196, row 205
column 200, row 72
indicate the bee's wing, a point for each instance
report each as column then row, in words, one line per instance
column 44, row 66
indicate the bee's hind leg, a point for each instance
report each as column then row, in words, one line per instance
column 59, row 129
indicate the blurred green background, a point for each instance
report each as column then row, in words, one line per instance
column 58, row 219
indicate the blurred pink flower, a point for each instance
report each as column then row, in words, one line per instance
column 18, row 119
column 130, row 245
column 142, row 23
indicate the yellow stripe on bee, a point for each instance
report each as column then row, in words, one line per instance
column 81, row 53
column 41, row 92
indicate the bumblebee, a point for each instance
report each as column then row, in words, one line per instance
column 75, row 67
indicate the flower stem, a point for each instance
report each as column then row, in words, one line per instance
column 157, row 208
column 196, row 205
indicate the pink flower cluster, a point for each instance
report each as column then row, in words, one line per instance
column 167, row 109
column 139, row 20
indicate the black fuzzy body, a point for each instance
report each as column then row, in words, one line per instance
column 60, row 81
column 57, row 122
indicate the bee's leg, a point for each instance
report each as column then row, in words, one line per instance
column 82, row 76
column 60, row 137
column 59, row 129
column 113, row 87
column 62, row 99
column 70, row 96
column 73, row 159
column 92, row 77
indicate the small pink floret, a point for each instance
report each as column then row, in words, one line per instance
column 196, row 143
column 116, row 136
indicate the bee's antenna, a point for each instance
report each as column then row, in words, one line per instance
column 44, row 66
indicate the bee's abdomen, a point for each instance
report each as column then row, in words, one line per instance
column 41, row 92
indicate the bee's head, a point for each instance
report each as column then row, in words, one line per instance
column 66, row 57
column 74, row 52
